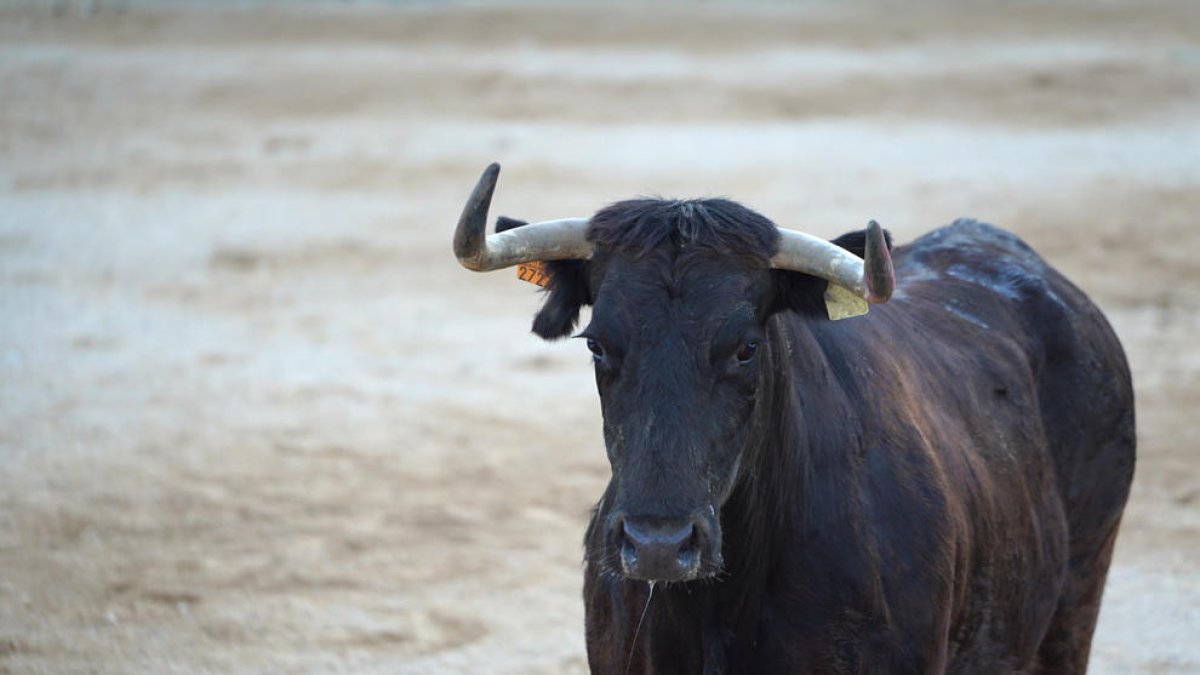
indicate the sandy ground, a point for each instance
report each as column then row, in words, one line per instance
column 254, row 418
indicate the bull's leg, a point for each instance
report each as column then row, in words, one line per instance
column 1093, row 520
column 1068, row 641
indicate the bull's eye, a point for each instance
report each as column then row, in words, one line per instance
column 595, row 348
column 747, row 351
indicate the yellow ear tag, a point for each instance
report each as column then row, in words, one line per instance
column 843, row 304
column 534, row 273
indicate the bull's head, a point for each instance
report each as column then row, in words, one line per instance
column 681, row 294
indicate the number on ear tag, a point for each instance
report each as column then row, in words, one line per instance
column 534, row 273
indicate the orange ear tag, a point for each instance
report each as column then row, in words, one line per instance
column 534, row 273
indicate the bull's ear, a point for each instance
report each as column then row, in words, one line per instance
column 804, row 293
column 566, row 293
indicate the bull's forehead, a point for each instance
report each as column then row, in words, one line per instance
column 646, row 295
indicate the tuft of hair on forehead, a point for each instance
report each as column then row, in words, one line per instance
column 722, row 226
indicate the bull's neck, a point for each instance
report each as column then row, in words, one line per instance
column 801, row 434
column 797, row 428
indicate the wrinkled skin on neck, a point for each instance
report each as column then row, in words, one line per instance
column 678, row 346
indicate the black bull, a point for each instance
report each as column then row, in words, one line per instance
column 933, row 487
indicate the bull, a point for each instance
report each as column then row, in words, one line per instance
column 934, row 487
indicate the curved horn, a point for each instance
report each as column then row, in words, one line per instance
column 549, row 240
column 877, row 266
column 872, row 279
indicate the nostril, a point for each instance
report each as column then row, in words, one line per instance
column 689, row 552
column 685, row 538
column 628, row 546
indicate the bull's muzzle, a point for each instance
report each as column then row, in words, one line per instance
column 652, row 550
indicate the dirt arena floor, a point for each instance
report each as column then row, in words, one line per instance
column 255, row 419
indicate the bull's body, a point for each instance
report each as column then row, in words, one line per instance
column 934, row 487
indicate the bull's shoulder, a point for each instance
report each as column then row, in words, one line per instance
column 971, row 251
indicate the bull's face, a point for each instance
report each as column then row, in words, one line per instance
column 677, row 350
column 682, row 292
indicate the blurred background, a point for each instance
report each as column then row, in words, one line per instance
column 255, row 419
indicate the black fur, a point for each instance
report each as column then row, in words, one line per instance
column 718, row 226
column 566, row 295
